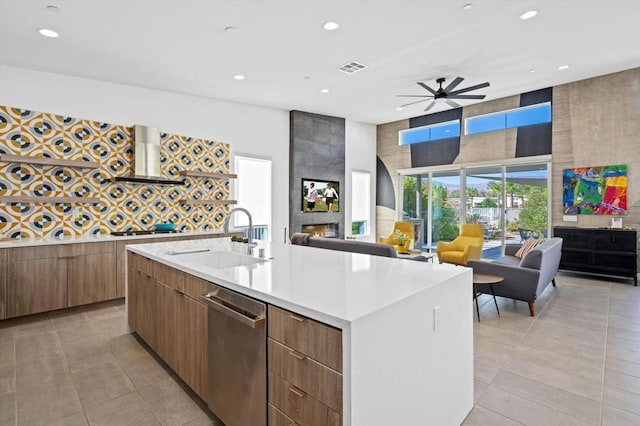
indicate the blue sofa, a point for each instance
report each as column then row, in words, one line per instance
column 527, row 278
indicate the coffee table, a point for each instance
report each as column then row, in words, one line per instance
column 484, row 280
column 427, row 256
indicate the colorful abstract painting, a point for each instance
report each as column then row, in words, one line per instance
column 595, row 190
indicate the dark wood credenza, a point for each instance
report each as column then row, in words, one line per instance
column 599, row 251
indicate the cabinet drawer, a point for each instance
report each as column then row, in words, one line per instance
column 278, row 418
column 576, row 258
column 195, row 287
column 319, row 341
column 615, row 241
column 315, row 379
column 622, row 263
column 299, row 406
column 169, row 276
column 140, row 263
column 38, row 252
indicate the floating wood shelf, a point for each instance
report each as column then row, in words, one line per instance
column 207, row 202
column 49, row 161
column 196, row 173
column 37, row 200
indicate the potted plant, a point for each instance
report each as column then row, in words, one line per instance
column 404, row 241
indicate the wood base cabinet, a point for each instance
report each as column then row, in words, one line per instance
column 164, row 311
column 3, row 284
column 305, row 370
column 36, row 280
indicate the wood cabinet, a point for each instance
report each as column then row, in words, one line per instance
column 305, row 369
column 165, row 312
column 91, row 273
column 3, row 284
column 36, row 280
column 599, row 251
column 45, row 278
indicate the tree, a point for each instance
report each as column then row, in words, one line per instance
column 445, row 218
column 487, row 202
column 471, row 193
column 409, row 196
column 534, row 214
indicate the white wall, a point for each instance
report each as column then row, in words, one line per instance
column 250, row 129
column 360, row 155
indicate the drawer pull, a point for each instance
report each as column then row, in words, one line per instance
column 297, row 392
column 294, row 317
column 178, row 292
column 297, row 355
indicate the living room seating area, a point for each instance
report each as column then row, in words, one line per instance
column 524, row 279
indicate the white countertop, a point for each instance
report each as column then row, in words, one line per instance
column 28, row 242
column 331, row 286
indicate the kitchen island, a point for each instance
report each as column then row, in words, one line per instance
column 404, row 329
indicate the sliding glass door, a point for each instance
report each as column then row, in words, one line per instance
column 444, row 207
column 484, row 206
column 509, row 201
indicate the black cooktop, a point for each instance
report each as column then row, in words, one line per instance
column 143, row 232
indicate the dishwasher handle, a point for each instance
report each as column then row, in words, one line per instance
column 235, row 312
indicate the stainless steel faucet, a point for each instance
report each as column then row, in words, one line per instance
column 225, row 227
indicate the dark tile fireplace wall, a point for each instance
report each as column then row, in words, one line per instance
column 316, row 151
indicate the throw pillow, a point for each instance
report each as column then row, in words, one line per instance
column 527, row 246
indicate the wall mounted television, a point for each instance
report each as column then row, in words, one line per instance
column 320, row 195
column 595, row 190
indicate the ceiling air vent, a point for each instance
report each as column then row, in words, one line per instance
column 352, row 67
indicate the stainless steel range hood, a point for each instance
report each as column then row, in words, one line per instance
column 147, row 158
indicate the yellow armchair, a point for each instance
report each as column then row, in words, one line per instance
column 467, row 246
column 404, row 227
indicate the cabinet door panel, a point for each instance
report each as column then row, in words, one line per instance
column 169, row 314
column 142, row 306
column 92, row 278
column 3, row 284
column 194, row 361
column 36, row 286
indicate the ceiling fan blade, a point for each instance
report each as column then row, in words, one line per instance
column 452, row 104
column 453, row 84
column 412, row 103
column 470, row 88
column 430, row 105
column 424, row 86
column 414, row 96
column 467, row 96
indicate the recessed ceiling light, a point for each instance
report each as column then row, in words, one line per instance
column 532, row 70
column 563, row 67
column 399, row 109
column 528, row 14
column 324, row 91
column 467, row 6
column 231, row 30
column 239, row 77
column 52, row 8
column 331, row 26
column 48, row 33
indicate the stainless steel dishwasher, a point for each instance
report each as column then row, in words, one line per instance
column 237, row 383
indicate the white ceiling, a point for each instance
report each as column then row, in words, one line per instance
column 181, row 46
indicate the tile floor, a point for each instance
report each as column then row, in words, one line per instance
column 576, row 363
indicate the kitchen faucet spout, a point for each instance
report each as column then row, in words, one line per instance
column 225, row 226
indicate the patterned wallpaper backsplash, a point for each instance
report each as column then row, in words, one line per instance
column 122, row 205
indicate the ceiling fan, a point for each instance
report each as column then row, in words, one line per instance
column 445, row 95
